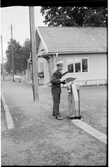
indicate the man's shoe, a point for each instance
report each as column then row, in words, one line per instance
column 59, row 117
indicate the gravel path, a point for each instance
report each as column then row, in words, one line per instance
column 39, row 139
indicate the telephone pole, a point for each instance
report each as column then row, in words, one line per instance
column 12, row 52
column 2, row 58
column 34, row 58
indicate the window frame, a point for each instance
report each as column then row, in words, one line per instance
column 87, row 65
column 72, row 61
column 80, row 65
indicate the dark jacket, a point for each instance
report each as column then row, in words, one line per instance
column 56, row 83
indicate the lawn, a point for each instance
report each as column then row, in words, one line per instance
column 93, row 106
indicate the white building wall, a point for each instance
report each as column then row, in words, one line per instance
column 97, row 67
column 44, row 80
column 41, row 46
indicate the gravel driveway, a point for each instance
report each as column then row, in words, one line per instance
column 39, row 139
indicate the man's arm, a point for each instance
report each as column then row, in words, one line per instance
column 54, row 79
column 65, row 73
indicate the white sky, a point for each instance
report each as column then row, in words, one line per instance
column 19, row 17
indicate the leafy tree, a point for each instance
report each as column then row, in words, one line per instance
column 96, row 17
column 26, row 50
column 20, row 54
column 74, row 16
column 16, row 56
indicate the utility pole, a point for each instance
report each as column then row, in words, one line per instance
column 12, row 52
column 2, row 58
column 34, row 58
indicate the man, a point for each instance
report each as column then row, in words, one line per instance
column 56, row 89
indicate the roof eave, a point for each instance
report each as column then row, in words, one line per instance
column 69, row 53
column 41, row 37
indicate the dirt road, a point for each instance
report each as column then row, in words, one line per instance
column 39, row 139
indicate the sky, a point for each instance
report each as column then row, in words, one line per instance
column 18, row 16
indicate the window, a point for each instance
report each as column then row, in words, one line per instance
column 70, row 68
column 78, row 65
column 84, row 65
column 41, row 72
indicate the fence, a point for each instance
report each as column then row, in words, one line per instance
column 96, row 82
column 10, row 78
column 91, row 82
column 80, row 82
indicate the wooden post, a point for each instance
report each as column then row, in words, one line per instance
column 12, row 52
column 2, row 58
column 34, row 59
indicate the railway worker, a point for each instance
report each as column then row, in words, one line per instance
column 56, row 82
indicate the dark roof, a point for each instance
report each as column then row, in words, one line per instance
column 75, row 40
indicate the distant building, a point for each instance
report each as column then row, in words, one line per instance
column 83, row 51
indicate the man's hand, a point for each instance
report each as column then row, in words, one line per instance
column 62, row 81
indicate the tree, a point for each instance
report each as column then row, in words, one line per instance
column 16, row 56
column 96, row 17
column 74, row 16
column 20, row 54
column 26, row 51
